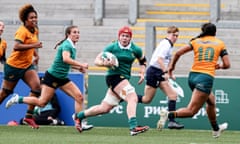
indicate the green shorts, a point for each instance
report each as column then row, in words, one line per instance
column 200, row 81
column 15, row 74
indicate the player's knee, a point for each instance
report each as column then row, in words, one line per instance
column 4, row 94
column 172, row 96
column 36, row 93
column 7, row 92
column 42, row 103
column 80, row 98
column 146, row 100
column 127, row 90
column 193, row 112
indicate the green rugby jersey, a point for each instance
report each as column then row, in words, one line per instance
column 125, row 58
column 59, row 68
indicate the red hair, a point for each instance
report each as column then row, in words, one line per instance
column 125, row 29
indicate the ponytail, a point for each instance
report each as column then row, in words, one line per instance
column 59, row 43
column 208, row 29
column 67, row 32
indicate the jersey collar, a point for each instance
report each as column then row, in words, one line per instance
column 122, row 47
column 71, row 42
column 169, row 42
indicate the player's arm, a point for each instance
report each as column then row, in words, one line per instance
column 36, row 57
column 225, row 60
column 98, row 60
column 75, row 64
column 143, row 65
column 181, row 51
column 18, row 45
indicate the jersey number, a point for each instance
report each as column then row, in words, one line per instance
column 206, row 55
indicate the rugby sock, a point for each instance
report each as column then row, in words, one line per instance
column 81, row 115
column 139, row 98
column 171, row 107
column 29, row 114
column 132, row 122
column 172, row 114
column 215, row 126
column 20, row 99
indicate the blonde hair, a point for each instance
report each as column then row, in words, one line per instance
column 172, row 29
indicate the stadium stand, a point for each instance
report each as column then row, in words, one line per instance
column 94, row 38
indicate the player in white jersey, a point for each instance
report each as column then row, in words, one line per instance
column 156, row 75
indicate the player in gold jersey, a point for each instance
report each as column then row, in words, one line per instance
column 207, row 49
column 3, row 44
column 20, row 63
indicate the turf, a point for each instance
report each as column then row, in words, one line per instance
column 109, row 135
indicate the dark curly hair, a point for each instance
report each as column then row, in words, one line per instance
column 208, row 29
column 24, row 12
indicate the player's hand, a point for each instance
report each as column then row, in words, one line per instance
column 84, row 65
column 35, row 60
column 108, row 63
column 170, row 75
column 217, row 66
column 38, row 45
column 141, row 78
column 82, row 70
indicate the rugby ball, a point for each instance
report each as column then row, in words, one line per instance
column 110, row 57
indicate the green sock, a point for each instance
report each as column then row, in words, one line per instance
column 20, row 99
column 81, row 115
column 132, row 122
column 215, row 126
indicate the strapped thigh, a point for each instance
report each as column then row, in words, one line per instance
column 111, row 99
column 126, row 90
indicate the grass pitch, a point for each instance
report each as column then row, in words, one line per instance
column 109, row 135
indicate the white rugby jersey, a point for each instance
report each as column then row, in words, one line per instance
column 163, row 50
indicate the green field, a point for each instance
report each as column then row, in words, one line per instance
column 107, row 135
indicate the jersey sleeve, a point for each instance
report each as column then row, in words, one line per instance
column 109, row 47
column 67, row 48
column 223, row 50
column 138, row 51
column 20, row 35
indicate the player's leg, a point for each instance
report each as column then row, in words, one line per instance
column 10, row 80
column 211, row 111
column 127, row 92
column 149, row 93
column 197, row 100
column 7, row 89
column 172, row 98
column 153, row 78
column 72, row 90
column 109, row 101
column 31, row 78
